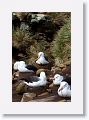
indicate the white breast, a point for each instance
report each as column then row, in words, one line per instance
column 42, row 60
column 65, row 92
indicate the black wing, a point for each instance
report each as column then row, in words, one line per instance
column 31, row 79
column 68, row 80
column 31, row 67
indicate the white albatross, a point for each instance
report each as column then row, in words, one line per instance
column 16, row 65
column 41, row 59
column 37, row 81
column 22, row 67
column 57, row 79
column 64, row 90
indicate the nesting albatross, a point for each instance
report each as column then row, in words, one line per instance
column 41, row 59
column 22, row 67
column 58, row 79
column 65, row 85
column 37, row 81
column 64, row 90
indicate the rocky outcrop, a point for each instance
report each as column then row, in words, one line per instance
column 28, row 97
column 52, row 98
column 21, row 88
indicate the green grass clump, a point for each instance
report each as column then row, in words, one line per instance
column 62, row 43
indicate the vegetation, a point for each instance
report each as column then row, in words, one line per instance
column 62, row 43
column 53, row 39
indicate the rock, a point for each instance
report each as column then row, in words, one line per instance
column 16, row 74
column 21, row 88
column 43, row 24
column 37, row 17
column 15, row 77
column 43, row 94
column 37, row 90
column 28, row 96
column 24, row 26
column 15, row 96
column 47, row 99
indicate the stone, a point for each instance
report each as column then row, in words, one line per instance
column 24, row 26
column 28, row 96
column 15, row 77
column 37, row 90
column 21, row 88
column 43, row 94
column 16, row 74
column 42, row 23
column 47, row 99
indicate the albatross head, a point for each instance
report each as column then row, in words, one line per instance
column 43, row 76
column 16, row 65
column 40, row 54
column 58, row 77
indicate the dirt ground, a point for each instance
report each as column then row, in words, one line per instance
column 51, row 97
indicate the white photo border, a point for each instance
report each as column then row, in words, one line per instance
column 76, row 104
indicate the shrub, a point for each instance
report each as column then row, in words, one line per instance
column 27, row 44
column 62, row 43
column 60, row 18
